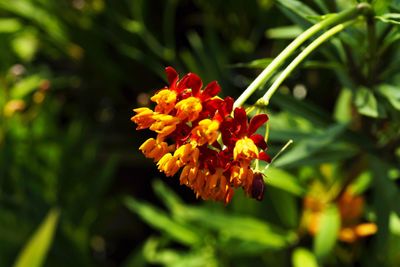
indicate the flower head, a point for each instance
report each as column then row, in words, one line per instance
column 188, row 121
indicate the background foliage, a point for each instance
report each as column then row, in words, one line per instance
column 74, row 190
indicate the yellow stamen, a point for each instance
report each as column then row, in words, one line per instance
column 167, row 164
column 143, row 118
column 187, row 154
column 245, row 149
column 206, row 132
column 165, row 100
column 189, row 108
column 154, row 149
column 164, row 124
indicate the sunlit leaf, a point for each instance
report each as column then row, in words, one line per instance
column 9, row 25
column 328, row 230
column 342, row 111
column 26, row 86
column 302, row 257
column 391, row 93
column 283, row 180
column 257, row 232
column 159, row 220
column 307, row 147
column 35, row 251
column 366, row 103
column 284, row 32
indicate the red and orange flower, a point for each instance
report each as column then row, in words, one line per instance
column 196, row 133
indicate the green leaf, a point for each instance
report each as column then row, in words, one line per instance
column 302, row 257
column 240, row 229
column 342, row 111
column 298, row 8
column 391, row 93
column 305, row 148
column 326, row 237
column 26, row 86
column 256, row 64
column 283, row 180
column 25, row 45
column 284, row 32
column 35, row 251
column 391, row 18
column 362, row 183
column 366, row 103
column 167, row 196
column 159, row 220
column 285, row 205
column 9, row 25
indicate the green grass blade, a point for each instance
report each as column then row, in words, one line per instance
column 35, row 251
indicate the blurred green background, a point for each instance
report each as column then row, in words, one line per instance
column 75, row 191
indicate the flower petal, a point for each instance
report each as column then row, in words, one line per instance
column 256, row 122
column 191, row 81
column 258, row 139
column 172, row 76
column 240, row 118
column 212, row 89
column 264, row 156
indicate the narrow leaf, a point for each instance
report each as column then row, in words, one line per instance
column 35, row 251
column 325, row 239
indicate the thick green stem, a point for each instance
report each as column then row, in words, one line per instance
column 291, row 48
column 310, row 48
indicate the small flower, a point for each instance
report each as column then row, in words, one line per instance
column 245, row 149
column 143, row 118
column 154, row 149
column 188, row 108
column 168, row 164
column 164, row 124
column 165, row 100
column 187, row 154
column 206, row 132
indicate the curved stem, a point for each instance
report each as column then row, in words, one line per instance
column 280, row 59
column 310, row 48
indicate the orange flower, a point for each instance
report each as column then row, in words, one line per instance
column 350, row 207
column 143, row 118
column 165, row 100
column 187, row 154
column 164, row 124
column 245, row 149
column 188, row 121
column 206, row 132
column 168, row 164
column 189, row 108
column 154, row 149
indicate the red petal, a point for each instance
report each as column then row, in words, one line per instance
column 212, row 89
column 256, row 122
column 227, row 106
column 258, row 139
column 263, row 156
column 240, row 118
column 191, row 81
column 172, row 76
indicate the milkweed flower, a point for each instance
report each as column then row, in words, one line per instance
column 197, row 134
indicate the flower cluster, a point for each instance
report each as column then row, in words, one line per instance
column 351, row 208
column 197, row 133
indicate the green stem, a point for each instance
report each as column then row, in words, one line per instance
column 310, row 48
column 371, row 33
column 291, row 48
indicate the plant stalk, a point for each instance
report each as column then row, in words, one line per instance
column 291, row 48
column 307, row 51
